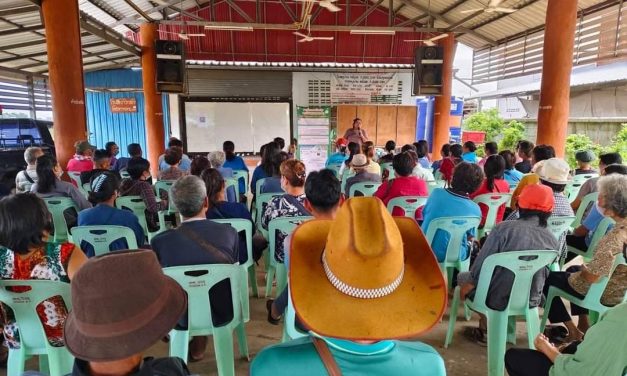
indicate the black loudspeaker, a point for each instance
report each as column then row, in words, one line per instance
column 428, row 70
column 170, row 66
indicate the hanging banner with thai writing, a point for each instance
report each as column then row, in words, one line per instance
column 362, row 87
column 122, row 105
column 313, row 136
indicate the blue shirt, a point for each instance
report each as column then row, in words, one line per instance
column 237, row 164
column 185, row 164
column 469, row 157
column 299, row 357
column 227, row 173
column 444, row 203
column 336, row 158
column 258, row 174
column 105, row 215
column 271, row 185
column 512, row 176
column 424, row 162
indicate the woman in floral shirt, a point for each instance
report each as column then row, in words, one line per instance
column 26, row 253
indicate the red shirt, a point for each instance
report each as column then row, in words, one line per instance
column 500, row 186
column 447, row 167
column 402, row 186
column 75, row 165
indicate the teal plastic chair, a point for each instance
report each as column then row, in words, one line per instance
column 287, row 226
column 347, row 173
column 86, row 188
column 409, row 204
column 56, row 206
column 166, row 185
column 592, row 300
column 55, row 361
column 502, row 324
column 76, row 178
column 249, row 266
column 390, row 169
column 457, row 227
column 588, row 200
column 240, row 175
column 197, row 280
column 101, row 237
column 599, row 233
column 366, row 189
column 232, row 182
column 559, row 225
column 335, row 167
column 432, row 185
column 124, row 174
column 290, row 331
column 493, row 201
column 137, row 206
column 572, row 189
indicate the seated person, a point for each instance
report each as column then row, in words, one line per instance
column 291, row 204
column 340, row 152
column 235, row 163
column 367, row 149
column 493, row 168
column 578, row 279
column 469, row 154
column 82, row 160
column 199, row 164
column 134, row 151
column 524, row 151
column 448, row 163
column 101, row 164
column 349, row 251
column 137, row 185
column 422, row 150
column 539, row 154
column 272, row 184
column 535, row 205
column 490, row 148
column 511, row 175
column 172, row 158
column 590, row 185
column 584, row 160
column 353, row 149
column 27, row 252
column 453, row 202
column 104, row 191
column 266, row 167
column 360, row 164
column 147, row 310
column 280, row 142
column 112, row 150
column 601, row 353
column 445, row 152
column 390, row 147
column 419, row 171
column 26, row 178
column 185, row 160
column 199, row 241
column 403, row 184
column 323, row 199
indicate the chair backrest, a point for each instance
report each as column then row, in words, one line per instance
column 559, row 225
column 524, row 264
column 24, row 306
column 86, row 188
column 335, row 167
column 347, row 173
column 493, row 201
column 457, row 227
column 56, row 207
column 259, row 183
column 410, row 204
column 285, row 225
column 76, row 178
column 390, row 169
column 588, row 200
column 573, row 187
column 197, row 280
column 365, row 188
column 599, row 233
column 137, row 206
column 261, row 202
column 434, row 184
column 101, row 237
column 241, row 175
column 124, row 174
column 166, row 186
column 232, row 182
column 582, row 178
column 240, row 225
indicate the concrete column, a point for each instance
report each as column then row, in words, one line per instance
column 65, row 68
column 442, row 110
column 557, row 63
column 155, row 134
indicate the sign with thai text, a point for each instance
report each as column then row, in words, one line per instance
column 122, row 105
column 361, row 87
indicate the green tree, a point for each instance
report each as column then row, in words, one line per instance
column 619, row 143
column 577, row 142
column 513, row 132
column 490, row 122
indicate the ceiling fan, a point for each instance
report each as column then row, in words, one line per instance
column 328, row 4
column 428, row 42
column 493, row 7
column 309, row 38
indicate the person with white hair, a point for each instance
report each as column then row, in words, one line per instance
column 26, row 178
column 217, row 159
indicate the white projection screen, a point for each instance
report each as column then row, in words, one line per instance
column 248, row 124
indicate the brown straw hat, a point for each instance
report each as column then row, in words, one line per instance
column 122, row 304
column 365, row 275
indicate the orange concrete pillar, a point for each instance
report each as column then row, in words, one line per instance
column 442, row 109
column 155, row 134
column 557, row 63
column 65, row 68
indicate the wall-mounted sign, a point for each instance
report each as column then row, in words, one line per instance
column 122, row 105
column 361, row 87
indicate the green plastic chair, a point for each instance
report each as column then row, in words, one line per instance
column 233, row 182
column 588, row 200
column 86, row 188
column 493, row 201
column 432, row 185
column 290, row 331
column 101, row 237
column 599, row 233
column 501, row 324
column 197, row 280
column 390, row 169
column 572, row 189
column 409, row 204
column 124, row 174
column 347, row 173
column 249, row 266
column 366, row 189
column 137, row 206
column 592, row 300
column 56, row 206
column 335, row 167
column 56, row 361
column 287, row 226
column 166, row 185
column 241, row 175
column 559, row 225
column 261, row 202
column 457, row 227
column 76, row 178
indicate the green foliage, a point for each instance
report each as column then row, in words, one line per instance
column 619, row 143
column 490, row 122
column 513, row 132
column 577, row 142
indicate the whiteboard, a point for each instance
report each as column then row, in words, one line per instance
column 248, row 125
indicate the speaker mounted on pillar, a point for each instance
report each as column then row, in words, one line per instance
column 428, row 61
column 170, row 66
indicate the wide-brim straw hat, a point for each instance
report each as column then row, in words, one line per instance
column 122, row 304
column 365, row 252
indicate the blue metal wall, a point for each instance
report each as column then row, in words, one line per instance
column 123, row 128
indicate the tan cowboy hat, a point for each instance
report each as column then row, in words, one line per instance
column 365, row 275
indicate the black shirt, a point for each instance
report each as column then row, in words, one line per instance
column 524, row 166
